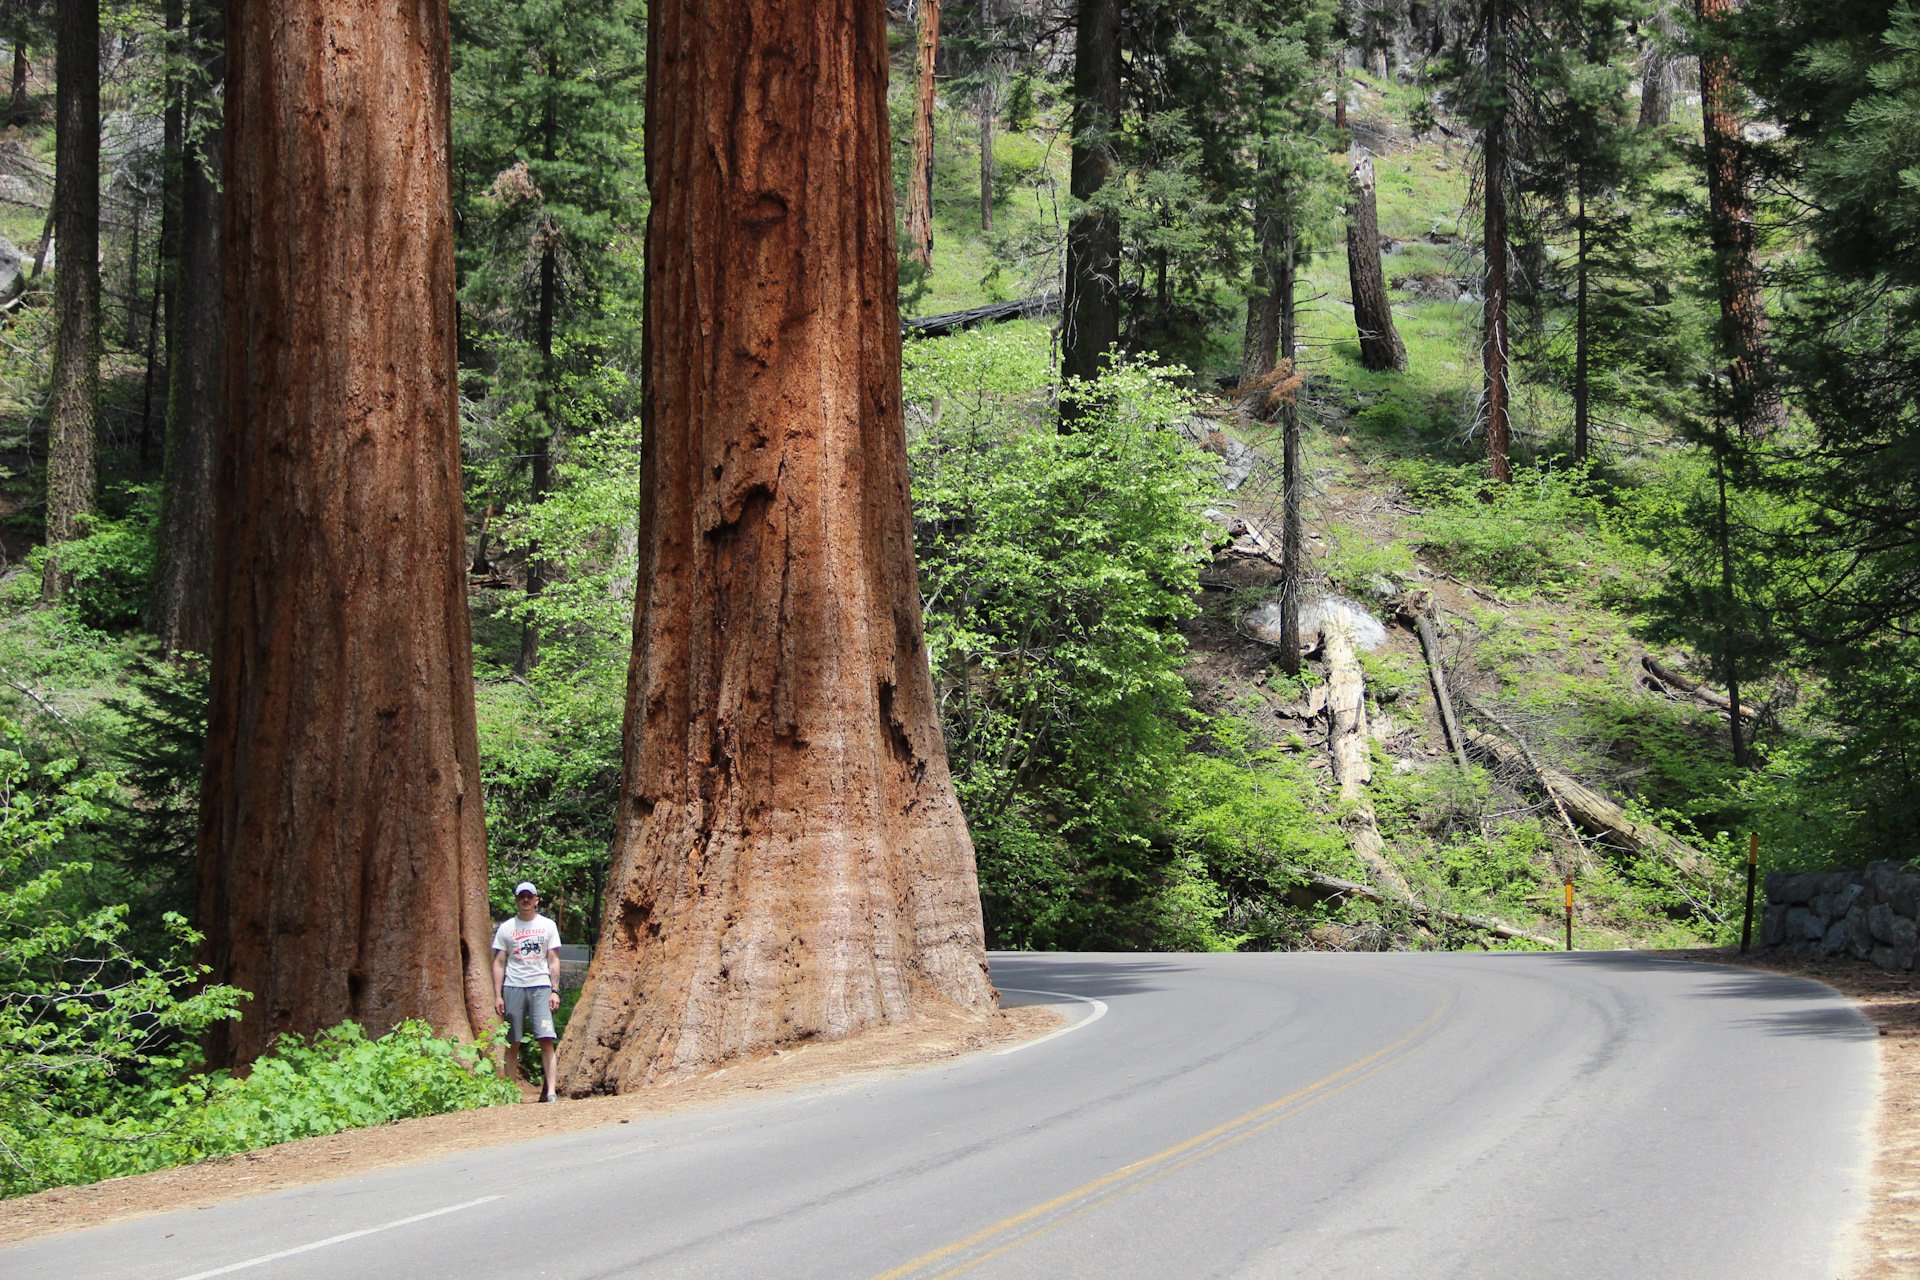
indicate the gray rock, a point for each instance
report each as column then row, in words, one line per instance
column 1836, row 940
column 1880, row 920
column 1859, row 933
column 1804, row 926
column 1883, row 956
column 17, row 190
column 1773, row 926
column 1790, row 887
column 12, row 271
column 1315, row 616
column 1896, row 886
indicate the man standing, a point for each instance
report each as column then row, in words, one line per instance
column 526, row 973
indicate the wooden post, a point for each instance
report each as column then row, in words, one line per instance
column 1569, row 913
column 1753, row 874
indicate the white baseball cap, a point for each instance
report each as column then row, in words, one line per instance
column 525, row 886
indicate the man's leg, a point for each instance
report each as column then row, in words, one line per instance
column 546, row 1067
column 516, row 1026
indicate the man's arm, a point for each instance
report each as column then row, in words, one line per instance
column 499, row 976
column 553, row 971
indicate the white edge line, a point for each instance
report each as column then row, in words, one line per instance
column 264, row 1259
column 1099, row 1012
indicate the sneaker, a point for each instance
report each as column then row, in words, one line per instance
column 548, row 1097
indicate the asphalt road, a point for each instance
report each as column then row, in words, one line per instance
column 1238, row 1115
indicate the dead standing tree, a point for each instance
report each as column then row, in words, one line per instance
column 919, row 221
column 1380, row 345
column 789, row 860
column 342, row 858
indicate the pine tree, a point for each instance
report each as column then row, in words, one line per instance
column 546, row 117
column 72, row 439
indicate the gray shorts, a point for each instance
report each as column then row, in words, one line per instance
column 528, row 1005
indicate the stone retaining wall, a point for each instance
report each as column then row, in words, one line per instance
column 1873, row 914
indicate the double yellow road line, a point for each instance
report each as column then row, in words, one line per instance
column 1031, row 1224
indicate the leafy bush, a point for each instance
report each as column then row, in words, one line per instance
column 1055, row 570
column 113, row 565
column 81, row 1017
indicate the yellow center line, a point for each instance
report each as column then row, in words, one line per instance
column 1345, row 1077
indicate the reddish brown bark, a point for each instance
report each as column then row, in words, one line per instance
column 342, row 859
column 919, row 222
column 72, row 433
column 1754, row 402
column 789, row 860
column 1380, row 345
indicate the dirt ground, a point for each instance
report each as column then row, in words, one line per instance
column 1890, row 1247
column 924, row 1042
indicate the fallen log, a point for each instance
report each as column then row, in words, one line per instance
column 1693, row 688
column 953, row 321
column 1327, row 888
column 1583, row 805
column 1417, row 609
column 1352, row 762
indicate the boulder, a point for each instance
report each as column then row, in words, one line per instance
column 1859, row 933
column 1791, row 888
column 1897, row 885
column 1803, row 926
column 1836, row 940
column 12, row 269
column 1773, row 926
column 1882, row 920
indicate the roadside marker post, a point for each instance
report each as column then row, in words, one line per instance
column 1569, row 913
column 1753, row 873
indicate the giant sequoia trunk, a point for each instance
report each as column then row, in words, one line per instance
column 919, row 221
column 76, row 287
column 1755, row 403
column 789, row 861
column 183, row 595
column 342, row 859
column 1380, row 345
column 1090, row 315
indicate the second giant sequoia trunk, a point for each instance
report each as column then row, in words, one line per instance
column 1380, row 345
column 1090, row 314
column 1755, row 403
column 342, row 858
column 72, row 433
column 789, row 861
column 919, row 221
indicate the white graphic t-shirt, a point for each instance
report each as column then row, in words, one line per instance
column 526, row 943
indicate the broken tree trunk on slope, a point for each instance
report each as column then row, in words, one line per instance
column 1587, row 807
column 1347, row 740
column 1693, row 688
column 1327, row 888
column 1417, row 610
column 1380, row 345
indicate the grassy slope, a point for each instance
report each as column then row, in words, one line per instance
column 1537, row 624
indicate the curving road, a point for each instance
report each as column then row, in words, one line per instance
column 1589, row 1115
